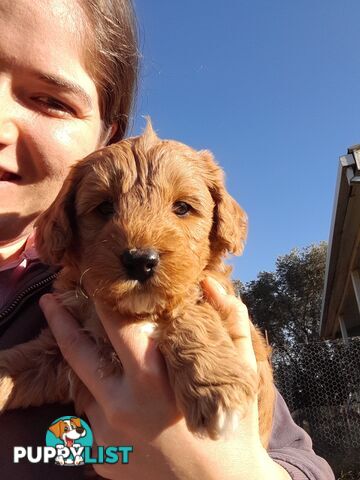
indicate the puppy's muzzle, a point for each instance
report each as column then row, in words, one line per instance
column 140, row 264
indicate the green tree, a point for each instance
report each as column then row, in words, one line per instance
column 287, row 303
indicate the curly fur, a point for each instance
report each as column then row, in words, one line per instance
column 142, row 178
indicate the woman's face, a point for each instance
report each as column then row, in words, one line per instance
column 49, row 107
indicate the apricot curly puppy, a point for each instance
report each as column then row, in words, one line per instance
column 144, row 221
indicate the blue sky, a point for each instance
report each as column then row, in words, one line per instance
column 272, row 89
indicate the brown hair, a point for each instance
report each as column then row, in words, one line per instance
column 111, row 41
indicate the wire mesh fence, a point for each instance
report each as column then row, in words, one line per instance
column 321, row 385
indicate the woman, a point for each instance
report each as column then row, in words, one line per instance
column 67, row 75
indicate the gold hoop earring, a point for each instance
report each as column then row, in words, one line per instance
column 80, row 286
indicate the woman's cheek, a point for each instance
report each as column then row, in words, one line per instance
column 69, row 143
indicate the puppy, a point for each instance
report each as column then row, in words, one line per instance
column 138, row 225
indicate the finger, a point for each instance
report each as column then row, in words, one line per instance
column 227, row 305
column 234, row 314
column 77, row 348
column 133, row 343
column 104, row 431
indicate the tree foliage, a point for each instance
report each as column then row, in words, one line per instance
column 287, row 303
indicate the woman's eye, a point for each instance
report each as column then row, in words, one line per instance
column 181, row 208
column 53, row 105
column 106, row 209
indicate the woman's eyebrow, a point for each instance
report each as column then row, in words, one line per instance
column 9, row 61
column 67, row 86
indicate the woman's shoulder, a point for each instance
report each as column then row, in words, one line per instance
column 20, row 316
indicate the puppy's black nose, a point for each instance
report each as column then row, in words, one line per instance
column 79, row 429
column 140, row 264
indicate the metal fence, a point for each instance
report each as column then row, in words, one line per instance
column 321, row 385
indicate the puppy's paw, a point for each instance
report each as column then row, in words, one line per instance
column 6, row 389
column 217, row 413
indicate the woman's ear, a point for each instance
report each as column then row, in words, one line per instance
column 108, row 134
column 229, row 230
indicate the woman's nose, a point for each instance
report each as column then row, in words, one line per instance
column 9, row 130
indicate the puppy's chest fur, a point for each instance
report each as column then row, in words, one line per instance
column 82, row 307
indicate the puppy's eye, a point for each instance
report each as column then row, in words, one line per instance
column 181, row 208
column 66, row 429
column 106, row 209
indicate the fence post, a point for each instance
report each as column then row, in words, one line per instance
column 343, row 330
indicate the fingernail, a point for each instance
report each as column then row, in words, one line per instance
column 220, row 289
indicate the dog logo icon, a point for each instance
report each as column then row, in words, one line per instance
column 69, row 435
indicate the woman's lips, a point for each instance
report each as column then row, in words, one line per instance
column 8, row 176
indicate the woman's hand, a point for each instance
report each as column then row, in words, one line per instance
column 138, row 408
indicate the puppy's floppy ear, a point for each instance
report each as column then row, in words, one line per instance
column 54, row 229
column 230, row 221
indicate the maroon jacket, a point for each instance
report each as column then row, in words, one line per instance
column 21, row 320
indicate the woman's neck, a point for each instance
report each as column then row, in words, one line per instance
column 11, row 250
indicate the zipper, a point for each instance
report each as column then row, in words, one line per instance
column 25, row 293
